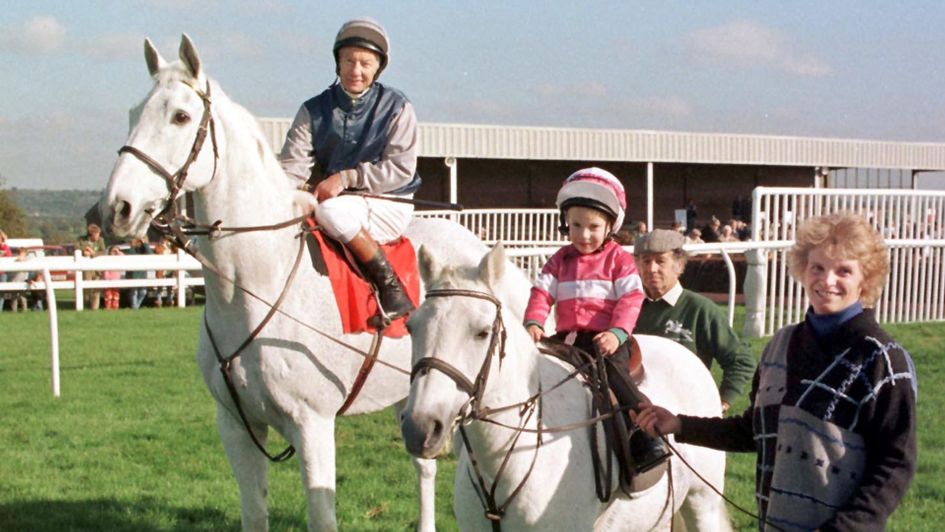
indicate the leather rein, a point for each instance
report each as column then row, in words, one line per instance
column 171, row 223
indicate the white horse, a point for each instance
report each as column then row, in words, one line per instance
column 457, row 328
column 291, row 377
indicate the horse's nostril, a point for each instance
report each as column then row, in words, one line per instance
column 437, row 429
column 125, row 210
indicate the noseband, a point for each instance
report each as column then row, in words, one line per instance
column 175, row 181
column 496, row 344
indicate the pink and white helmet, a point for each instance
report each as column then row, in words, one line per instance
column 597, row 189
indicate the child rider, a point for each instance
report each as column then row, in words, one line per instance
column 596, row 289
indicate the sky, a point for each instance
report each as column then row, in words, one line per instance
column 70, row 71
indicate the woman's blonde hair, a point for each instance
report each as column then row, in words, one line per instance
column 845, row 236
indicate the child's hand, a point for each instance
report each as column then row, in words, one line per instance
column 535, row 332
column 606, row 342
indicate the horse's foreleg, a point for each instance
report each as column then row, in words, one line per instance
column 426, row 481
column 249, row 467
column 426, row 488
column 316, row 451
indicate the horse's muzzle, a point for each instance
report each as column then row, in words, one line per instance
column 424, row 435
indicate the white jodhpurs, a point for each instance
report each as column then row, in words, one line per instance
column 343, row 217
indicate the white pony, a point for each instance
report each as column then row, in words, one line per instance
column 457, row 327
column 295, row 374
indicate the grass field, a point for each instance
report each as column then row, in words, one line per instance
column 132, row 445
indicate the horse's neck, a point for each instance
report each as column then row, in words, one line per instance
column 515, row 381
column 249, row 189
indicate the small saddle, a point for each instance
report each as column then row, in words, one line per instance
column 617, row 428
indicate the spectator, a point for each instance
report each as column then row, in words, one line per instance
column 727, row 234
column 92, row 238
column 5, row 251
column 686, row 317
column 138, row 293
column 691, row 215
column 112, row 295
column 678, row 227
column 832, row 412
column 359, row 134
column 36, row 294
column 162, row 294
column 92, row 295
column 694, row 236
column 710, row 233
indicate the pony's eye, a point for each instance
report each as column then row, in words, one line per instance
column 181, row 118
column 483, row 334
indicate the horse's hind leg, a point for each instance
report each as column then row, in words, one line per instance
column 316, row 451
column 249, row 467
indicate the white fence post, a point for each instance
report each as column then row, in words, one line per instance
column 53, row 330
column 79, row 300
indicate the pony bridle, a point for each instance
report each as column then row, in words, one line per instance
column 496, row 345
column 175, row 182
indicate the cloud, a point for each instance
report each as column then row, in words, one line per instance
column 113, row 46
column 38, row 35
column 745, row 43
column 593, row 89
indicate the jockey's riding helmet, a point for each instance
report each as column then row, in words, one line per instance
column 364, row 33
column 597, row 189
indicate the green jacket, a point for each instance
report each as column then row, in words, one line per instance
column 698, row 323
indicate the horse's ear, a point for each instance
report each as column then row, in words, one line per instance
column 492, row 266
column 188, row 55
column 153, row 58
column 429, row 266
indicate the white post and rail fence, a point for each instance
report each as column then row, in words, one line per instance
column 912, row 222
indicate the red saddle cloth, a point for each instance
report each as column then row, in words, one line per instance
column 354, row 295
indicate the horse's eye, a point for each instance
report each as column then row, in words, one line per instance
column 181, row 118
column 483, row 334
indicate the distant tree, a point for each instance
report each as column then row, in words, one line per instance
column 12, row 220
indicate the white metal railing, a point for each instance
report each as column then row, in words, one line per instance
column 57, row 272
column 912, row 222
column 513, row 227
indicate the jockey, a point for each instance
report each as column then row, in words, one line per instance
column 359, row 135
column 596, row 290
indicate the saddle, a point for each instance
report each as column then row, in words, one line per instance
column 617, row 428
column 354, row 294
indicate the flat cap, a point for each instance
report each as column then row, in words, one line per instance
column 658, row 241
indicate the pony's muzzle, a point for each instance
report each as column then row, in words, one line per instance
column 423, row 434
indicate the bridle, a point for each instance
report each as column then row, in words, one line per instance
column 496, row 346
column 473, row 410
column 175, row 182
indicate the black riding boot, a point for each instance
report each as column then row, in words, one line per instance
column 394, row 300
column 646, row 451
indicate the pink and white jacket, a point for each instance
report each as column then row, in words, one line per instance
column 594, row 292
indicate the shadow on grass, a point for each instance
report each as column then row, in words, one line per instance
column 148, row 515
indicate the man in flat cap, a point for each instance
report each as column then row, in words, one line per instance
column 359, row 135
column 671, row 311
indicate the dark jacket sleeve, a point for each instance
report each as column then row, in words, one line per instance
column 891, row 454
column 731, row 434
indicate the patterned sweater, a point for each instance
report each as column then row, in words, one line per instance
column 594, row 292
column 832, row 420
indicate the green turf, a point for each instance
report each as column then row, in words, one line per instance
column 132, row 444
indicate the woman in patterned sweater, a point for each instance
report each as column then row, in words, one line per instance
column 832, row 413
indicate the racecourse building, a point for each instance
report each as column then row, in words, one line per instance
column 484, row 166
